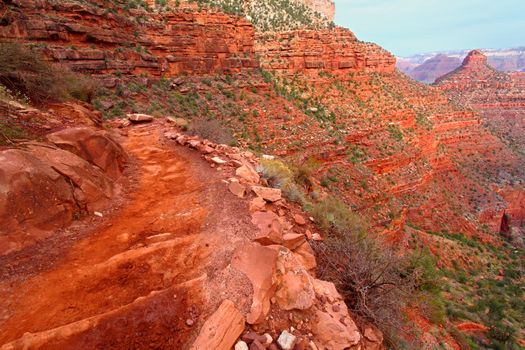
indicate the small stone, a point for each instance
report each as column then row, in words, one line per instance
column 218, row 160
column 189, row 322
column 286, row 340
column 313, row 346
column 172, row 135
column 256, row 345
column 268, row 340
column 308, row 234
column 267, row 193
column 248, row 173
column 237, row 189
column 317, row 237
column 241, row 345
column 97, row 213
column 251, row 337
column 194, row 143
column 273, row 347
column 293, row 240
column 336, row 308
column 268, row 157
column 299, row 220
column 140, row 118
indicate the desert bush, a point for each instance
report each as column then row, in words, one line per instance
column 281, row 176
column 211, row 129
column 372, row 280
column 333, row 215
column 25, row 72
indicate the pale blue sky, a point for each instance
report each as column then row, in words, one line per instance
column 405, row 27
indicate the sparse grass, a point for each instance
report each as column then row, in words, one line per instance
column 25, row 72
column 212, row 130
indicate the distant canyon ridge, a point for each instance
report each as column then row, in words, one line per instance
column 428, row 67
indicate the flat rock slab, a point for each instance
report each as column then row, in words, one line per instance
column 140, row 118
column 222, row 329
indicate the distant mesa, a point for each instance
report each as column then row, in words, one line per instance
column 427, row 67
column 475, row 58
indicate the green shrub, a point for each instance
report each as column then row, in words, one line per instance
column 332, row 214
column 25, row 72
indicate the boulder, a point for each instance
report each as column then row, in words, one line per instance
column 248, row 173
column 257, row 204
column 293, row 240
column 295, row 291
column 269, row 227
column 41, row 188
column 97, row 147
column 286, row 340
column 299, row 220
column 140, row 118
column 333, row 327
column 237, row 189
column 267, row 193
column 91, row 188
column 218, row 160
column 221, row 330
column 258, row 263
column 305, row 255
column 332, row 334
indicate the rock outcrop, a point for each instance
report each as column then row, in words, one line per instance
column 310, row 52
column 90, row 38
column 44, row 187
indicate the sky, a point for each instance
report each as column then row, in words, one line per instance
column 407, row 27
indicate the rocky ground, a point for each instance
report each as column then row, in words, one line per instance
column 174, row 263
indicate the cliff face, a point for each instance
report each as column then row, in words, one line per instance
column 310, row 52
column 93, row 38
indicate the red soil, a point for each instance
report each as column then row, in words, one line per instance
column 117, row 281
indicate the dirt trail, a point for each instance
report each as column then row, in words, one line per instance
column 133, row 282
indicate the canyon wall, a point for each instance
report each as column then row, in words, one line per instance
column 91, row 38
column 309, row 52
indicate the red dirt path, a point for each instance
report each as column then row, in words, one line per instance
column 116, row 288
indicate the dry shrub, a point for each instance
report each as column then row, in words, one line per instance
column 25, row 72
column 212, row 130
column 371, row 280
column 377, row 282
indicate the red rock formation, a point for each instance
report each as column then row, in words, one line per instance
column 499, row 98
column 43, row 186
column 90, row 38
column 309, row 52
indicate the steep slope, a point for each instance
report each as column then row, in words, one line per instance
column 500, row 100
